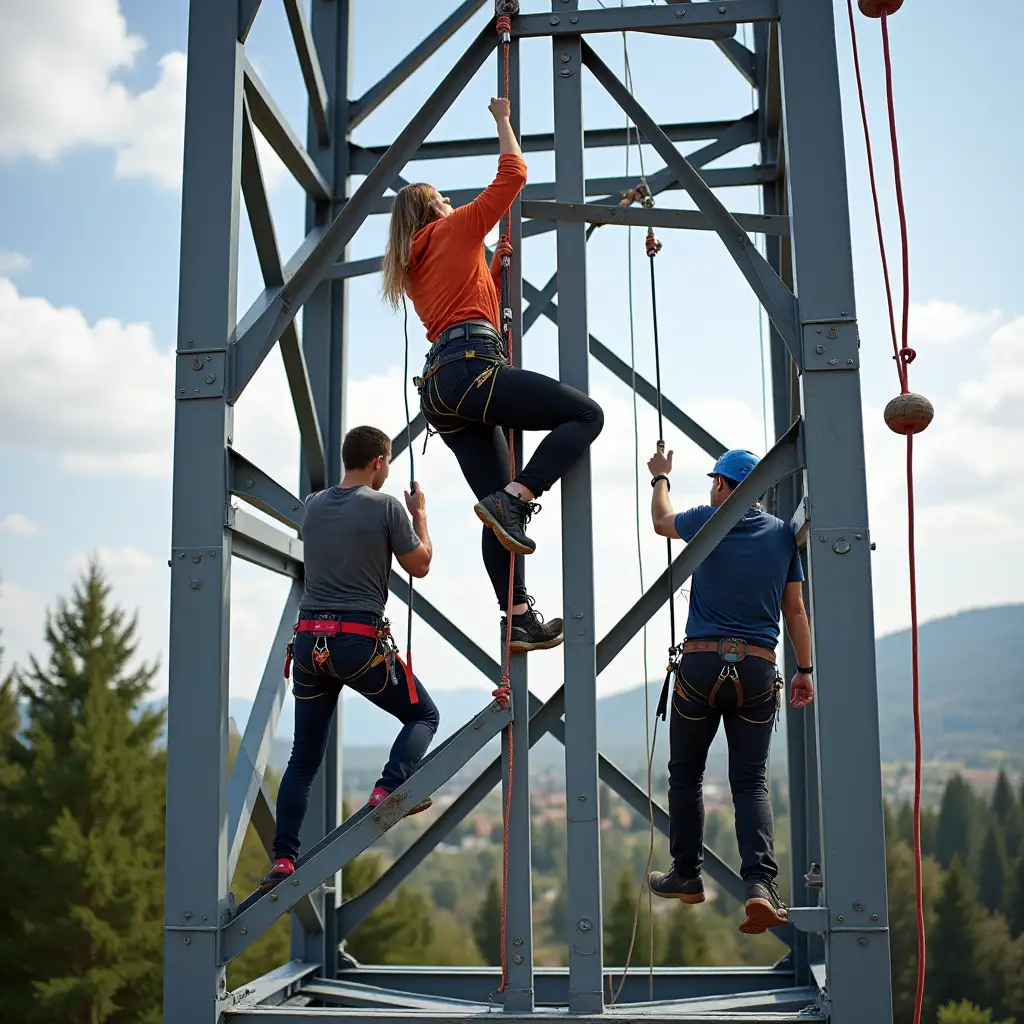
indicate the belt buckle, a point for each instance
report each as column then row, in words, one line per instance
column 731, row 650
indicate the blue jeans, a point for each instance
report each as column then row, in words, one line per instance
column 699, row 703
column 316, row 689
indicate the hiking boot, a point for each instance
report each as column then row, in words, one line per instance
column 507, row 515
column 380, row 794
column 530, row 632
column 764, row 908
column 670, row 886
column 279, row 871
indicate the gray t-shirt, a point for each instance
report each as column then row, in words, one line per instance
column 348, row 536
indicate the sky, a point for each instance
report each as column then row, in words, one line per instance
column 91, row 116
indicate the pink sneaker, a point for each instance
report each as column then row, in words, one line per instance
column 379, row 795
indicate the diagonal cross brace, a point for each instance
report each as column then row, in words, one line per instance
column 254, row 750
column 274, row 311
column 778, row 301
column 356, row 834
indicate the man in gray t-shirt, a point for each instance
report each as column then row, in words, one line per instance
column 350, row 533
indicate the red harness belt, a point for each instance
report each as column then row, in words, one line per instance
column 332, row 627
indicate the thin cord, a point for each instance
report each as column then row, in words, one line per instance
column 412, row 465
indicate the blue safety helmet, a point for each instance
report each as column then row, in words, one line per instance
column 735, row 465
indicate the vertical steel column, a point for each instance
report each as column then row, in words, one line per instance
column 519, row 922
column 197, row 730
column 581, row 788
column 325, row 344
column 839, row 556
column 785, row 409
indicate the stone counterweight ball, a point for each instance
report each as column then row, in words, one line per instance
column 909, row 413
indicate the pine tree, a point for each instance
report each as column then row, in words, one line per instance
column 955, row 820
column 686, row 941
column 1015, row 897
column 992, row 870
column 88, row 812
column 558, row 915
column 1008, row 814
column 903, row 924
column 618, row 926
column 964, row 1012
column 9, row 712
column 487, row 923
column 1000, row 964
column 954, row 972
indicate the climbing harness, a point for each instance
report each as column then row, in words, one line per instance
column 323, row 629
column 907, row 414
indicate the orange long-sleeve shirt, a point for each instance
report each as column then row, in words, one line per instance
column 449, row 280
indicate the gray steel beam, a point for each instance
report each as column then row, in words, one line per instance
column 583, row 838
column 197, row 724
column 361, row 108
column 262, row 491
column 325, row 335
column 776, row 298
column 351, row 838
column 269, row 256
column 474, row 984
column 707, row 21
column 783, row 459
column 373, row 997
column 407, row 436
column 846, row 704
column 662, row 217
column 253, row 751
column 285, row 143
column 364, row 157
column 354, row 911
column 264, row 545
column 354, row 268
column 274, row 987
column 309, row 62
column 604, row 355
column 736, row 53
column 247, row 11
column 275, row 309
column 447, row 630
column 544, row 1015
column 515, row 740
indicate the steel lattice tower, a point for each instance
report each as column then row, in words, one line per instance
column 838, row 969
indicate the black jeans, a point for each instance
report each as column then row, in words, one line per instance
column 699, row 703
column 473, row 402
column 316, row 689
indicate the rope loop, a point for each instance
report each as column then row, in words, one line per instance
column 908, row 355
column 503, row 25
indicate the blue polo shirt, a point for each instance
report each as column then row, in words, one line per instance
column 737, row 591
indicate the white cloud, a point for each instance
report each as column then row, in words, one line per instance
column 123, row 561
column 22, row 617
column 944, row 323
column 99, row 396
column 18, row 525
column 12, row 262
column 59, row 61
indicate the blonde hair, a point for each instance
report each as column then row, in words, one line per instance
column 415, row 207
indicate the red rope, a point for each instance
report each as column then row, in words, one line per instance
column 504, row 27
column 904, row 356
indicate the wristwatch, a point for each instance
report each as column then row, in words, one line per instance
column 662, row 476
column 805, row 671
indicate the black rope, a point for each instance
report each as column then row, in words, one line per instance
column 652, row 250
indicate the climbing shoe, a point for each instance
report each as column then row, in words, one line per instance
column 764, row 908
column 507, row 515
column 279, row 871
column 530, row 632
column 670, row 886
column 380, row 794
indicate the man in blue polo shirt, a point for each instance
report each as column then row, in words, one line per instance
column 728, row 673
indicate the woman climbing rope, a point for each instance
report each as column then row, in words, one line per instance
column 469, row 393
